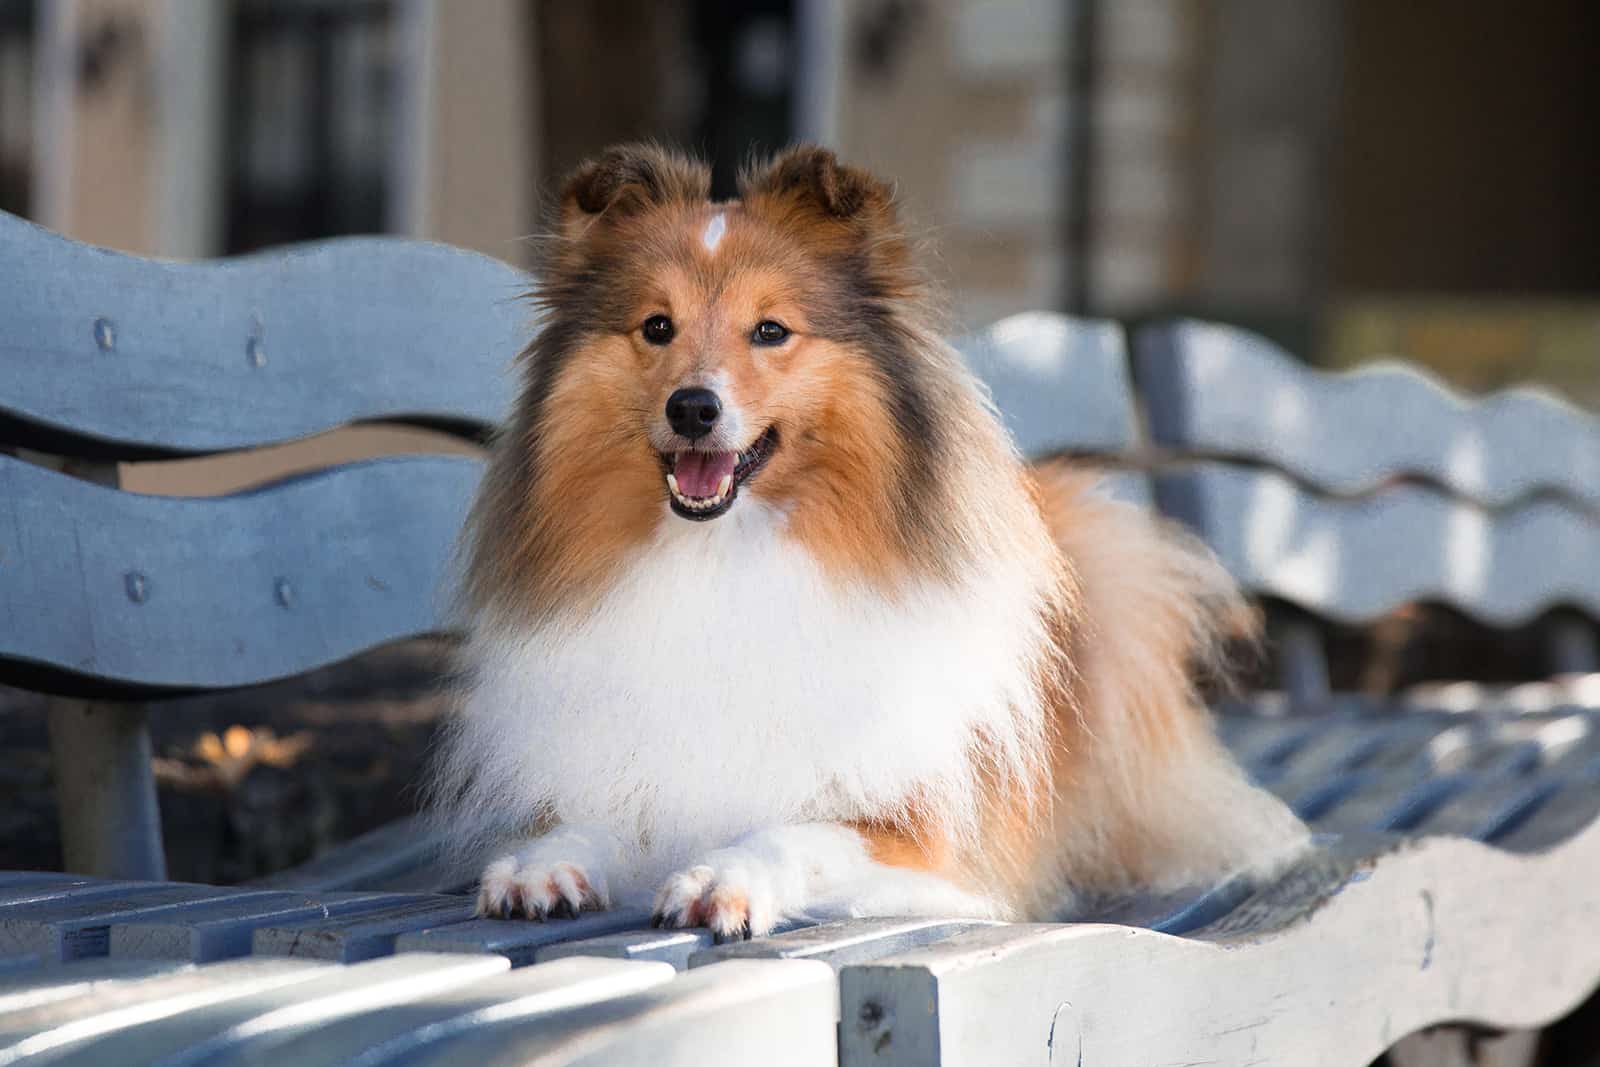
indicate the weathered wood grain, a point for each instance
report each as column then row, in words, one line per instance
column 1221, row 391
column 1353, row 560
column 1332, row 968
column 103, row 353
column 363, row 935
column 131, row 593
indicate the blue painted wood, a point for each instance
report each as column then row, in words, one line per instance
column 1353, row 560
column 839, row 943
column 54, row 1031
column 1220, row 391
column 775, row 1013
column 363, row 935
column 1060, row 383
column 224, row 929
column 660, row 946
column 112, row 354
column 520, row 940
column 1178, row 912
column 73, row 889
column 375, row 1038
column 126, row 591
column 227, row 1021
column 22, row 992
column 80, row 929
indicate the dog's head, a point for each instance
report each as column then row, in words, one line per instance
column 696, row 358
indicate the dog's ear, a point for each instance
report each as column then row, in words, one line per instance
column 813, row 175
column 626, row 179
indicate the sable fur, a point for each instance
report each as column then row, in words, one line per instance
column 1047, row 744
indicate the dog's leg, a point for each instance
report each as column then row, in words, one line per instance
column 812, row 870
column 555, row 876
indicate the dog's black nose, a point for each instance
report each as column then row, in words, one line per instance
column 692, row 412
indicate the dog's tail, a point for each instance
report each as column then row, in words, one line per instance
column 1155, row 611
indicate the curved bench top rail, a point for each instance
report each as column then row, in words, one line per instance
column 1222, row 391
column 1400, row 942
column 1355, row 559
column 1061, row 383
column 106, row 354
column 109, row 591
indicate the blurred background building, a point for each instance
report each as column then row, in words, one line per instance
column 1354, row 177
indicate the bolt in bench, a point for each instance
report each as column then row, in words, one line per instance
column 1457, row 854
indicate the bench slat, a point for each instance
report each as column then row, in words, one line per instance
column 119, row 591
column 839, row 943
column 777, row 1013
column 104, row 353
column 273, row 1013
column 383, row 1036
column 663, row 946
column 224, row 928
column 362, row 935
column 1354, row 560
column 519, row 940
column 79, row 929
column 1221, row 391
column 111, row 1008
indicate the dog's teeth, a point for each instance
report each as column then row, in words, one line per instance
column 672, row 483
column 722, row 489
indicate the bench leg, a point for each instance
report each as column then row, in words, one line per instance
column 105, row 789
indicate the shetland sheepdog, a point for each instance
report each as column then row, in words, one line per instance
column 767, row 619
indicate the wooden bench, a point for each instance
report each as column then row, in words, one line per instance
column 1375, row 935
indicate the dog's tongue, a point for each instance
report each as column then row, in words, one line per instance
column 699, row 473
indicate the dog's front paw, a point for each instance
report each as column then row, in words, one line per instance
column 511, row 886
column 731, row 898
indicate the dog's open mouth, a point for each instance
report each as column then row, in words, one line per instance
column 704, row 485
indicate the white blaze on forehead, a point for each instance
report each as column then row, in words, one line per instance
column 714, row 231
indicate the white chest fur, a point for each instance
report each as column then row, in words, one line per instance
column 725, row 684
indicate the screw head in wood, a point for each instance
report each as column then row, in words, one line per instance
column 105, row 335
column 137, row 586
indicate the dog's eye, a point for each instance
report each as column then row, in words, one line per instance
column 658, row 330
column 770, row 333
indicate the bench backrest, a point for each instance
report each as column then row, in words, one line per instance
column 1350, row 494
column 1062, row 386
column 107, row 357
column 1345, row 495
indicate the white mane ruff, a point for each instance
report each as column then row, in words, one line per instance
column 725, row 684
